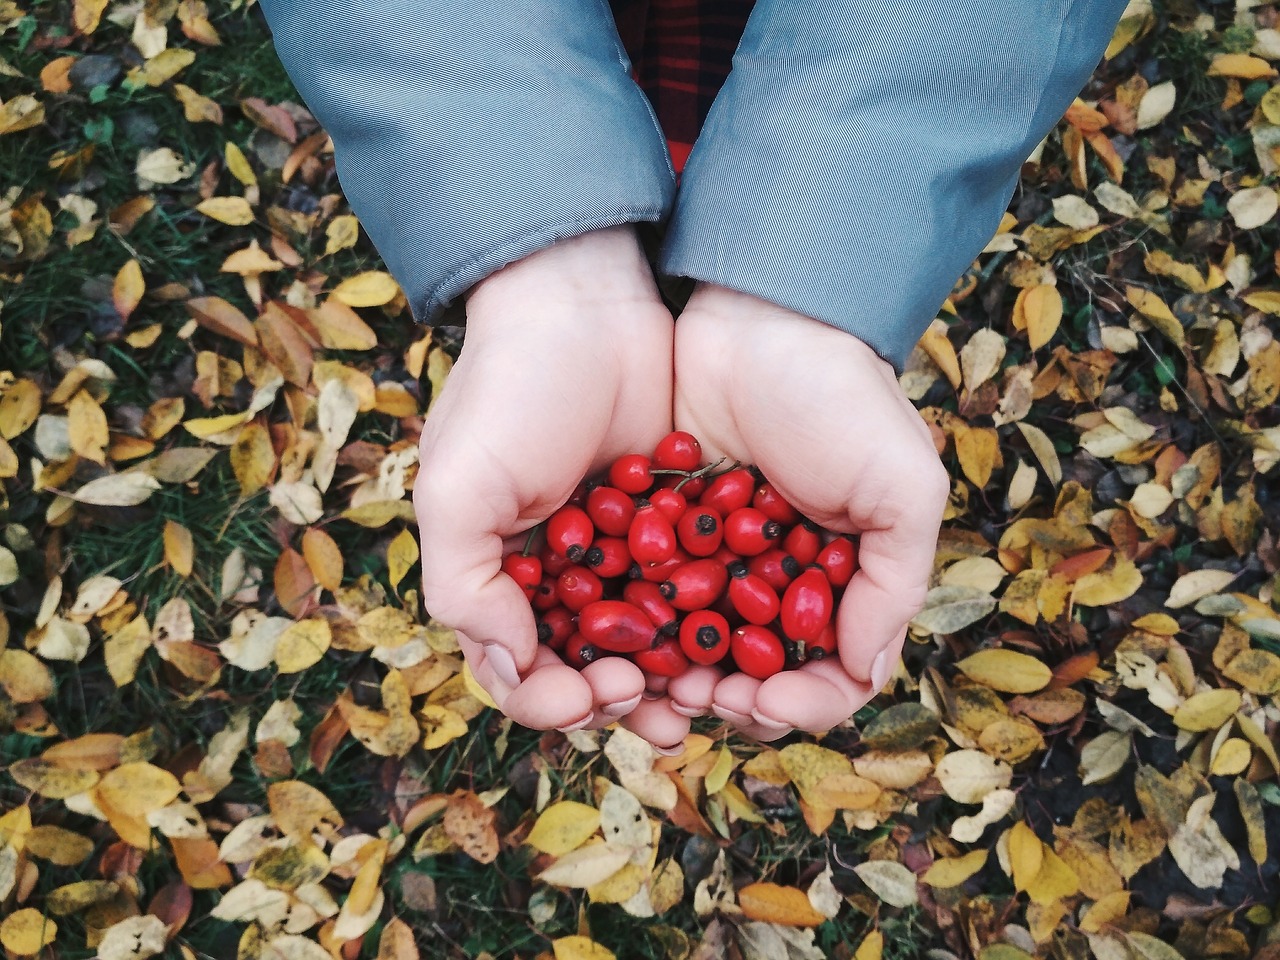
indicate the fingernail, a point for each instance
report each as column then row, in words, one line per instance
column 579, row 725
column 670, row 751
column 502, row 663
column 685, row 711
column 731, row 716
column 881, row 670
column 769, row 725
column 621, row 708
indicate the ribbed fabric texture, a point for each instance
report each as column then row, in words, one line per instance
column 469, row 134
column 861, row 152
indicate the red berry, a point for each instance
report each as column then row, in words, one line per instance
column 546, row 595
column 672, row 505
column 630, row 473
column 552, row 563
column 651, row 538
column 748, row 532
column 610, row 510
column 525, row 571
column 704, row 637
column 757, row 651
column 729, row 492
column 617, row 626
column 678, row 451
column 664, row 660
column 724, row 554
column 695, row 585
column 577, row 587
column 570, row 532
column 555, row 627
column 659, row 572
column 807, row 605
column 690, row 487
column 839, row 559
column 753, row 599
column 771, row 503
column 700, row 531
column 803, row 543
column 824, row 645
column 608, row 557
column 775, row 567
column 648, row 597
column 578, row 652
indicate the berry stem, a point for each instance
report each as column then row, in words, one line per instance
column 700, row 472
column 533, row 535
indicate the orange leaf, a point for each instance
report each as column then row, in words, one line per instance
column 294, row 584
column 215, row 314
column 323, row 557
column 772, row 903
column 1073, row 568
column 198, row 860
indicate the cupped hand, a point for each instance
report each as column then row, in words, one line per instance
column 566, row 365
column 823, row 417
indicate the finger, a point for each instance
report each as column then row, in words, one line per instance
column 815, row 698
column 895, row 562
column 551, row 696
column 735, row 698
column 462, row 581
column 655, row 721
column 616, row 684
column 693, row 692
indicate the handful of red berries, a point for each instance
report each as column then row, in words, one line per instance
column 670, row 562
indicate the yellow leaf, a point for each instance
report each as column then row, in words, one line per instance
column 953, row 871
column 87, row 427
column 586, row 866
column 196, row 107
column 1107, row 587
column 718, row 775
column 50, row 780
column 250, row 260
column 1155, row 310
column 179, row 550
column 124, row 649
column 396, row 942
column 136, row 789
column 87, row 14
column 563, row 827
column 402, row 554
column 1241, row 66
column 19, row 407
column 26, row 932
column 66, row 848
column 871, row 948
column 299, row 808
column 1006, row 670
column 1026, row 855
column 253, row 458
column 127, row 291
column 21, row 113
column 977, row 449
column 302, row 645
column 1268, row 301
column 323, row 557
column 580, row 948
column 440, row 725
column 341, row 234
column 1054, row 880
column 162, row 68
column 1043, row 311
column 371, row 289
column 378, row 513
column 1232, row 758
column 239, row 166
column 233, row 211
column 772, row 903
column 1206, row 710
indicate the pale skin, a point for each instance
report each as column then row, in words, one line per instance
column 568, row 363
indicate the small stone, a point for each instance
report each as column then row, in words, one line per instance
column 94, row 70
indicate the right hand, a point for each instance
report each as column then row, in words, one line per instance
column 566, row 366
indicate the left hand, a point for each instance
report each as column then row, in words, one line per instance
column 823, row 417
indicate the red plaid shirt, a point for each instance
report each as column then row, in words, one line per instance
column 681, row 51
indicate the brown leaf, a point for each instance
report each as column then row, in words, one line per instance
column 219, row 316
column 323, row 557
column 472, row 826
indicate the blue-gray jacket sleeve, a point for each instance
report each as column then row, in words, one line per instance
column 470, row 133
column 861, row 152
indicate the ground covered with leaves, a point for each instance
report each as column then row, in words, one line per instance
column 228, row 730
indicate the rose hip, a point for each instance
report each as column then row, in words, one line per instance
column 678, row 451
column 700, row 531
column 757, row 651
column 578, row 652
column 630, row 473
column 729, row 492
column 670, row 504
column 824, row 646
column 748, row 532
column 839, row 560
column 775, row 567
column 570, row 532
column 704, row 637
column 610, row 510
column 695, row 585
column 659, row 572
column 753, row 599
column 652, row 539
column 807, row 605
column 525, row 571
column 555, row 627
column 577, row 587
column 648, row 597
column 664, row 660
column 617, row 626
column 771, row 503
column 608, row 557
column 803, row 543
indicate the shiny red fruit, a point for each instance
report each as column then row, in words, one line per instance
column 630, row 473
column 700, row 531
column 578, row 652
column 570, row 531
column 695, row 585
column 748, row 532
column 525, row 571
column 773, row 505
column 546, row 595
column 807, row 605
column 729, row 492
column 616, row 626
column 670, row 504
column 555, row 627
column 757, row 651
column 577, row 587
column 664, row 660
column 660, row 572
column 652, row 539
column 610, row 510
column 648, row 597
column 678, row 451
column 775, row 567
column 552, row 563
column 704, row 637
column 823, row 646
column 608, row 557
column 803, row 542
column 753, row 599
column 839, row 560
